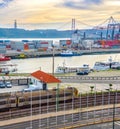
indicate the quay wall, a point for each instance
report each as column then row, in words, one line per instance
column 34, row 54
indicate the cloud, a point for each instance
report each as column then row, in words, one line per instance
column 4, row 3
column 117, row 12
column 81, row 4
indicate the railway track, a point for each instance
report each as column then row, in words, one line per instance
column 82, row 101
column 80, row 108
column 66, row 119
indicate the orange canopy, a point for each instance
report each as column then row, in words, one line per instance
column 44, row 77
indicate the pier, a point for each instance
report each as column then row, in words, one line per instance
column 35, row 54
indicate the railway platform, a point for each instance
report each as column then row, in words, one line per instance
column 60, row 113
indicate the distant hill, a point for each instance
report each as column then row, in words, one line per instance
column 51, row 33
column 21, row 33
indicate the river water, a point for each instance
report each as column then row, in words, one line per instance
column 30, row 65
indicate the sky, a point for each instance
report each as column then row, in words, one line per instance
column 57, row 14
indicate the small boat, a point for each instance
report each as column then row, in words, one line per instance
column 72, row 69
column 106, row 65
column 8, row 68
column 4, row 58
column 67, row 53
column 98, row 66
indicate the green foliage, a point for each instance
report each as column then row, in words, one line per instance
column 92, row 87
column 110, row 86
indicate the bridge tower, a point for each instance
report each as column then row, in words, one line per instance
column 73, row 25
column 15, row 24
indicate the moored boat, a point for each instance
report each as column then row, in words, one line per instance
column 98, row 66
column 71, row 69
column 67, row 53
column 8, row 68
column 4, row 58
column 106, row 65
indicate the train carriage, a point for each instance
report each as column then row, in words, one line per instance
column 46, row 97
column 36, row 98
column 7, row 103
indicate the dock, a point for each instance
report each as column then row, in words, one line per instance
column 35, row 54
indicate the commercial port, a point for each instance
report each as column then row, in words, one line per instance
column 74, row 100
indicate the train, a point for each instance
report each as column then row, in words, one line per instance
column 68, row 97
column 17, row 100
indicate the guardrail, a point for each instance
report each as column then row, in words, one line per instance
column 90, row 77
column 16, row 80
column 99, row 79
column 25, row 80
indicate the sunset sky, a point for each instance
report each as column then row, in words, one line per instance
column 57, row 14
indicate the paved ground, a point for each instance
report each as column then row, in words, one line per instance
column 85, row 87
column 82, row 87
column 103, row 126
column 98, row 73
column 13, row 89
column 105, row 73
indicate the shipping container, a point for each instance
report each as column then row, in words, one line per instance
column 8, row 47
column 68, row 42
column 17, row 45
column 26, row 46
column 2, row 49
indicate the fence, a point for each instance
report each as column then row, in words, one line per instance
column 16, row 80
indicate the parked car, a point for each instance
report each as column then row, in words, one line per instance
column 31, row 88
column 2, row 84
column 8, row 84
column 83, row 72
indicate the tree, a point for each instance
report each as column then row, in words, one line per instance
column 92, row 87
column 110, row 86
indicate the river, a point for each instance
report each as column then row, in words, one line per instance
column 30, row 65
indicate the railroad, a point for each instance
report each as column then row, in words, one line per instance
column 64, row 103
column 65, row 119
column 17, row 105
column 41, row 98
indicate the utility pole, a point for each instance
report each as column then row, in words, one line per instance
column 53, row 60
column 57, row 98
column 114, row 110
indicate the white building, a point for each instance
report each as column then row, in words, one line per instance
column 40, row 79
